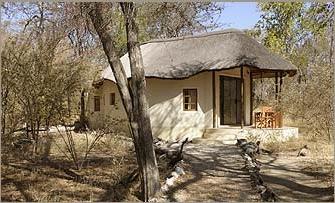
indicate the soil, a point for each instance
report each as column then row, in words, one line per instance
column 295, row 178
column 56, row 179
column 214, row 172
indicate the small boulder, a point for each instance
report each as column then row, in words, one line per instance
column 165, row 188
column 170, row 181
column 303, row 151
column 174, row 174
column 179, row 170
column 240, row 142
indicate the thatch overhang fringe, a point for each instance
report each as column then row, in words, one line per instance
column 183, row 57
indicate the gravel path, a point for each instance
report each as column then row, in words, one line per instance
column 214, row 172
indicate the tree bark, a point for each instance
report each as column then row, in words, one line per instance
column 140, row 104
column 133, row 96
column 83, row 123
column 4, row 100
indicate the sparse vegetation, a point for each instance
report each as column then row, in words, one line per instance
column 59, row 180
column 52, row 53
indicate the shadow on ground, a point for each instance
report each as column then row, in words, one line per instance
column 292, row 181
column 26, row 177
column 215, row 172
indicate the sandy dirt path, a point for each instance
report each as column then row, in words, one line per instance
column 292, row 180
column 214, row 172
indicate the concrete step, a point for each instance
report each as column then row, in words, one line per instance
column 223, row 134
column 213, row 141
column 219, row 136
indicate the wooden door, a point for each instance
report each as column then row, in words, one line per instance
column 230, row 100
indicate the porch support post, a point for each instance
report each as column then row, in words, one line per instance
column 262, row 86
column 214, row 100
column 276, row 85
column 280, row 85
column 242, row 98
column 251, row 99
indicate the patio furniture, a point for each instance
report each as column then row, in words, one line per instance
column 268, row 118
column 259, row 120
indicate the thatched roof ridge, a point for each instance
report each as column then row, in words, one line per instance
column 183, row 57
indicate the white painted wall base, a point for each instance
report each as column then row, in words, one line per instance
column 228, row 135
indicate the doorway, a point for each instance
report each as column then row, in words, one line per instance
column 230, row 100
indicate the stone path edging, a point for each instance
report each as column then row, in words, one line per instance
column 248, row 152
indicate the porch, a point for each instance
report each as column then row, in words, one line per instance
column 232, row 90
column 229, row 134
column 234, row 115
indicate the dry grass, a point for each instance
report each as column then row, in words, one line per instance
column 99, row 179
column 320, row 158
column 57, row 180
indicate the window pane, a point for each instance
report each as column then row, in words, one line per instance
column 187, row 99
column 190, row 99
column 96, row 103
column 112, row 99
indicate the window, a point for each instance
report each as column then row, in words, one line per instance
column 112, row 98
column 96, row 103
column 190, row 99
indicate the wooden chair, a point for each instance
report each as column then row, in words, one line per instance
column 270, row 119
column 259, row 120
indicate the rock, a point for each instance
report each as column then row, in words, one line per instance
column 153, row 199
column 179, row 170
column 268, row 195
column 249, row 145
column 303, row 151
column 174, row 145
column 247, row 157
column 250, row 151
column 174, row 174
column 260, row 188
column 253, row 166
column 165, row 188
column 240, row 142
column 170, row 181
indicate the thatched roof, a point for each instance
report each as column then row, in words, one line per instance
column 186, row 56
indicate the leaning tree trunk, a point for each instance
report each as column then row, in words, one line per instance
column 83, row 120
column 134, row 100
column 140, row 105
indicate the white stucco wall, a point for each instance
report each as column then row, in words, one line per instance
column 168, row 119
column 98, row 118
column 165, row 96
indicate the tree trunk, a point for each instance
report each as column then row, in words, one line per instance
column 83, row 123
column 331, row 50
column 69, row 106
column 133, row 99
column 140, row 105
column 3, row 123
column 4, row 98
